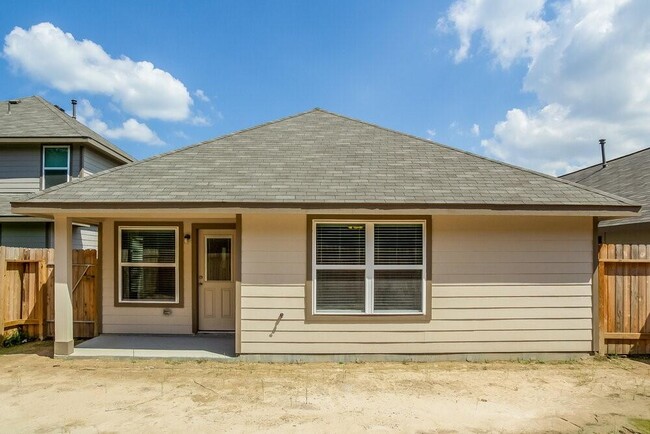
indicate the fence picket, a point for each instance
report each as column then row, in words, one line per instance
column 27, row 291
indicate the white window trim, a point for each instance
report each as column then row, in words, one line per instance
column 148, row 264
column 43, row 168
column 370, row 267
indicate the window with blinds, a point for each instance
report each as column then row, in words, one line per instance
column 368, row 268
column 148, row 264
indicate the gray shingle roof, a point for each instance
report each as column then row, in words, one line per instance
column 322, row 158
column 627, row 176
column 33, row 117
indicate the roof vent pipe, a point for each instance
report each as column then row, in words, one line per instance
column 602, row 151
column 74, row 109
column 10, row 103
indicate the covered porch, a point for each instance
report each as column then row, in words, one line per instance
column 219, row 346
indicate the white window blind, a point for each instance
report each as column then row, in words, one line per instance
column 149, row 264
column 369, row 267
column 340, row 244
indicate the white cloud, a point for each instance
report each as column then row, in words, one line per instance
column 57, row 59
column 476, row 130
column 509, row 28
column 130, row 129
column 431, row 133
column 200, row 121
column 589, row 71
column 201, row 95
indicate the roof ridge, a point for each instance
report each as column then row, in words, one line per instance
column 606, row 161
column 164, row 154
column 58, row 113
column 462, row 151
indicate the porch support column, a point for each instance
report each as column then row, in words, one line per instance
column 63, row 334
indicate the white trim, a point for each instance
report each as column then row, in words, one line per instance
column 369, row 266
column 122, row 264
column 69, row 148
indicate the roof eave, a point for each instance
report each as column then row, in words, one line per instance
column 611, row 211
column 120, row 156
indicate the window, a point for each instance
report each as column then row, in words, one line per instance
column 368, row 267
column 56, row 165
column 148, row 264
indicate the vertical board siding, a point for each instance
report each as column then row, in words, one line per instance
column 625, row 298
column 500, row 284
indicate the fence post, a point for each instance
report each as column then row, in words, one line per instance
column 602, row 300
column 3, row 282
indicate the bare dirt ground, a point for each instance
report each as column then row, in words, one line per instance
column 41, row 394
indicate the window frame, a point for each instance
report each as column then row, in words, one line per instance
column 369, row 267
column 43, row 168
column 119, row 301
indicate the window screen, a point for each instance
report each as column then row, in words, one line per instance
column 386, row 278
column 149, row 264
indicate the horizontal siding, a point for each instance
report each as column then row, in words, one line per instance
column 94, row 162
column 28, row 235
column 84, row 237
column 439, row 325
column 515, row 284
column 417, row 336
column 416, row 348
column 20, row 168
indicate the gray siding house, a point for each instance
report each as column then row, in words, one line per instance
column 318, row 234
column 626, row 176
column 41, row 146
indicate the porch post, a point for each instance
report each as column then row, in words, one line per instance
column 63, row 334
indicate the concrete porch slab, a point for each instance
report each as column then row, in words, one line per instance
column 220, row 346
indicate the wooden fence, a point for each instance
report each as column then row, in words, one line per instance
column 624, row 300
column 27, row 291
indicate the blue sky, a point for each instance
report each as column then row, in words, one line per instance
column 497, row 80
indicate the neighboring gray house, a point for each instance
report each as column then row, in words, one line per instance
column 41, row 146
column 626, row 176
column 320, row 234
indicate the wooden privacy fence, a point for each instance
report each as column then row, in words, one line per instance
column 27, row 291
column 624, row 298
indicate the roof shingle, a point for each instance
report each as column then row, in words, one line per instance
column 319, row 157
column 34, row 117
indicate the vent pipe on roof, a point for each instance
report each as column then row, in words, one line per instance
column 602, row 151
column 74, row 109
column 10, row 103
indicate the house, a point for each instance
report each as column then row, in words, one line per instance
column 626, row 176
column 320, row 234
column 41, row 146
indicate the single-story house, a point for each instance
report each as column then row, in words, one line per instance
column 627, row 176
column 321, row 234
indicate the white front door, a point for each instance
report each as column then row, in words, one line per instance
column 216, row 280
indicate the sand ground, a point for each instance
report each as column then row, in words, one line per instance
column 41, row 394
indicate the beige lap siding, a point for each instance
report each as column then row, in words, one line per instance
column 500, row 284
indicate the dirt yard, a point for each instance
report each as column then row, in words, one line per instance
column 41, row 394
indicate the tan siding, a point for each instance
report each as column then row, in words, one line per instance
column 147, row 319
column 500, row 284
